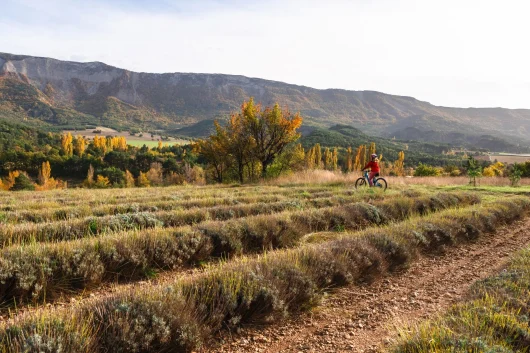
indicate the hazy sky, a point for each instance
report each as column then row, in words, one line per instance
column 454, row 53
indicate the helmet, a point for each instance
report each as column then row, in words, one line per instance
column 374, row 155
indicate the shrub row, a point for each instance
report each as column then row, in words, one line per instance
column 40, row 270
column 116, row 197
column 90, row 226
column 493, row 319
column 181, row 316
column 176, row 203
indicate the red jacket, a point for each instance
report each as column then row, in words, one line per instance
column 374, row 166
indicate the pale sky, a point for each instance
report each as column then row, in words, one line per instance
column 462, row 53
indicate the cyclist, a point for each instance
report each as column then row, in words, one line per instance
column 374, row 169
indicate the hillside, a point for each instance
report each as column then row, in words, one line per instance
column 71, row 93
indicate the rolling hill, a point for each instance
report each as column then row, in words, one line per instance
column 61, row 93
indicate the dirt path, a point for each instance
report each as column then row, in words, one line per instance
column 363, row 319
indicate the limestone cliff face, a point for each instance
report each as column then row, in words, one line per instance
column 189, row 97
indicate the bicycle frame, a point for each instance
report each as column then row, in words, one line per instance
column 367, row 177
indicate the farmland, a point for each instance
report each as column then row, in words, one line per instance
column 183, row 268
column 137, row 140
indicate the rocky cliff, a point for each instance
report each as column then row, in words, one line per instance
column 73, row 93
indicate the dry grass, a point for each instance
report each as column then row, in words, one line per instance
column 317, row 177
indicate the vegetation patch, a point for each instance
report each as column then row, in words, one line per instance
column 493, row 319
column 36, row 271
column 181, row 316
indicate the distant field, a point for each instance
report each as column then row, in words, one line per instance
column 506, row 158
column 135, row 140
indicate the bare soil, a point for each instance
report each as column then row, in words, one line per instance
column 366, row 319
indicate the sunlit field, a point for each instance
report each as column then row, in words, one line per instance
column 213, row 258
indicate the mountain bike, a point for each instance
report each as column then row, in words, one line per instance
column 378, row 182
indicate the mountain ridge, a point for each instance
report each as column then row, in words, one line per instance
column 67, row 92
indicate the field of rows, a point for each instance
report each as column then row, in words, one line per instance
column 187, row 264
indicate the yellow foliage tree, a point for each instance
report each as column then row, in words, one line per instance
column 129, row 179
column 372, row 149
column 100, row 143
column 335, row 159
column 45, row 173
column 360, row 158
column 318, row 155
column 298, row 157
column 350, row 160
column 143, row 182
column 310, row 159
column 271, row 130
column 328, row 159
column 399, row 165
column 79, row 146
column 102, row 182
column 66, row 144
column 121, row 144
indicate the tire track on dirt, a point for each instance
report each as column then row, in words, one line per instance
column 363, row 319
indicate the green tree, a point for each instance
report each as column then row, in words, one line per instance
column 474, row 170
column 23, row 182
column 516, row 174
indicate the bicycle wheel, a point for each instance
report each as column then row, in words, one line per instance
column 360, row 183
column 381, row 183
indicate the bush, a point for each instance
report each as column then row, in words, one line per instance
column 426, row 170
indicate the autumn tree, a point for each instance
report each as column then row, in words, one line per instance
column 297, row 159
column 79, row 146
column 360, row 158
column 102, row 182
column 212, row 150
column 350, row 160
column 9, row 181
column 155, row 174
column 318, row 155
column 372, row 149
column 129, row 179
column 143, row 182
column 399, row 166
column 89, row 181
column 100, row 144
column 310, row 159
column 45, row 173
column 328, row 159
column 235, row 143
column 66, row 144
column 271, row 130
column 335, row 159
